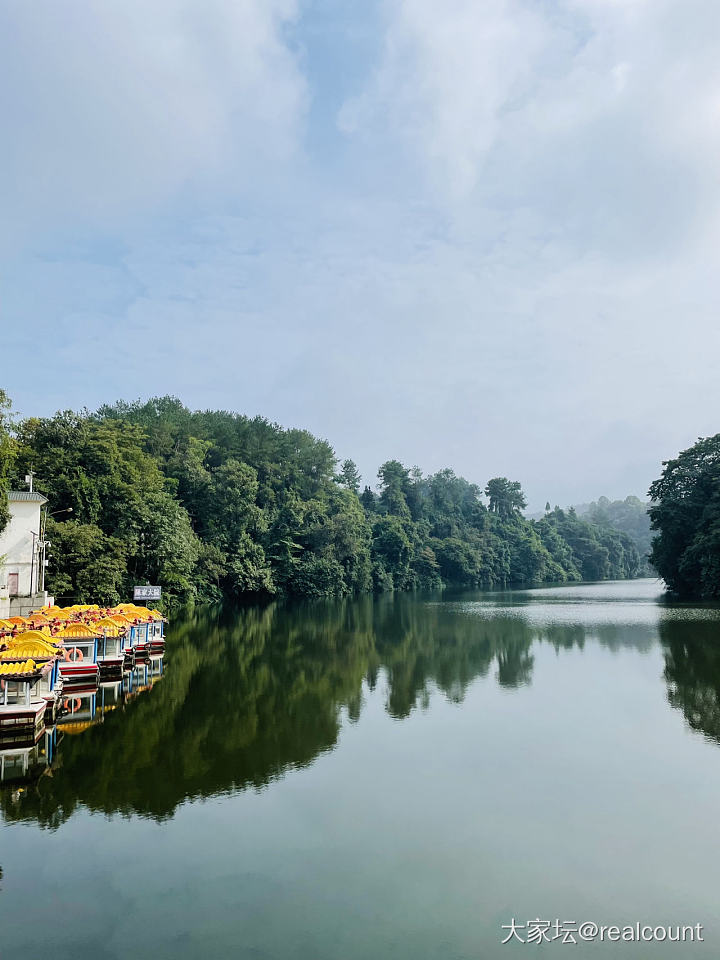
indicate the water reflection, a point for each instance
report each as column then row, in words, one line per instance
column 692, row 672
column 249, row 694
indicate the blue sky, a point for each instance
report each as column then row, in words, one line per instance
column 477, row 233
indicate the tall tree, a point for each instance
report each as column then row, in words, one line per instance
column 506, row 496
column 394, row 486
column 7, row 455
column 686, row 515
column 349, row 475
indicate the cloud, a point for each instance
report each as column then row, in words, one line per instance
column 504, row 261
column 448, row 71
column 598, row 116
column 110, row 107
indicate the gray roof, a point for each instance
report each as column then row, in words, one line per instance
column 26, row 495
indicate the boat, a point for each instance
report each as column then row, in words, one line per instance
column 27, row 691
column 78, row 668
column 29, row 678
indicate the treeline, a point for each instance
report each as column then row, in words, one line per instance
column 630, row 516
column 686, row 517
column 212, row 504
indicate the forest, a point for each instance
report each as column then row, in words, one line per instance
column 685, row 515
column 213, row 505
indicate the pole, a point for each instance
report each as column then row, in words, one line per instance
column 43, row 527
column 32, row 564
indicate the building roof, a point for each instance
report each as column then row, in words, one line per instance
column 26, row 495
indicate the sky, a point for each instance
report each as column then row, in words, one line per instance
column 481, row 234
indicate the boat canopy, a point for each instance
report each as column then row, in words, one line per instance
column 109, row 626
column 77, row 631
column 32, row 644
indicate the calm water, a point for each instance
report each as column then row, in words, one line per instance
column 394, row 778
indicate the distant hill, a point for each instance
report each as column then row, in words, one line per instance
column 629, row 516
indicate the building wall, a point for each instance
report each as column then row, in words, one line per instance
column 22, row 606
column 16, row 546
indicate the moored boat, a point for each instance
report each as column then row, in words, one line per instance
column 79, row 667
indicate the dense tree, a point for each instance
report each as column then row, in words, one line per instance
column 395, row 486
column 211, row 504
column 505, row 496
column 596, row 551
column 629, row 516
column 85, row 563
column 7, row 455
column 123, row 508
column 349, row 475
column 686, row 515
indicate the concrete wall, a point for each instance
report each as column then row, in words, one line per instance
column 22, row 606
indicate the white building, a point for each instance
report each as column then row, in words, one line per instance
column 21, row 556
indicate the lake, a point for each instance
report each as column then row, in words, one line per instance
column 388, row 778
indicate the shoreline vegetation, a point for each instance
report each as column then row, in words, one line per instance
column 685, row 514
column 214, row 505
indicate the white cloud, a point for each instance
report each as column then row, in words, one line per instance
column 107, row 106
column 591, row 112
column 448, row 72
column 509, row 268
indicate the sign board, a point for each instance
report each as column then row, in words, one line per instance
column 147, row 593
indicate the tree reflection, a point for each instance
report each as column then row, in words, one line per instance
column 248, row 694
column 692, row 672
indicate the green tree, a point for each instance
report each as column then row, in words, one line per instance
column 213, row 504
column 86, row 565
column 394, row 487
column 686, row 516
column 7, row 455
column 629, row 516
column 113, row 485
column 505, row 496
column 350, row 475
